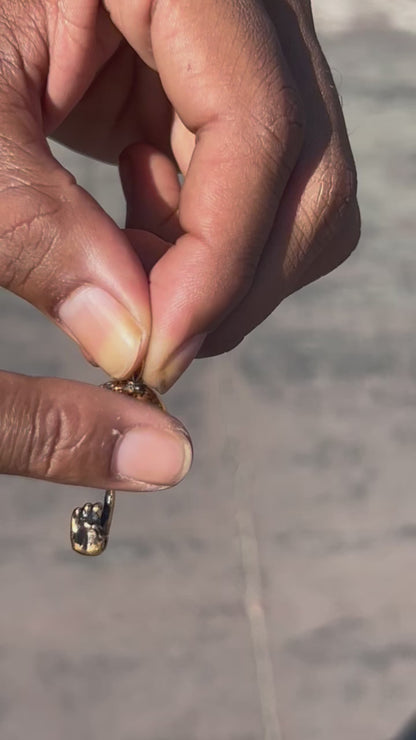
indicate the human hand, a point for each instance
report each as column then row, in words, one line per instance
column 238, row 94
column 255, row 124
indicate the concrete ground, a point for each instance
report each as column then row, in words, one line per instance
column 272, row 594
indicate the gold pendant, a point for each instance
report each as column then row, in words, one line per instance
column 90, row 524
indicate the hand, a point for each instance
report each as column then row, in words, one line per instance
column 239, row 95
column 241, row 98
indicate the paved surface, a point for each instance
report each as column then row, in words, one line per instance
column 272, row 594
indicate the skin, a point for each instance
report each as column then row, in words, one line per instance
column 234, row 94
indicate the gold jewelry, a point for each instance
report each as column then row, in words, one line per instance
column 90, row 524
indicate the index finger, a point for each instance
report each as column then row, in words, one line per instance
column 223, row 71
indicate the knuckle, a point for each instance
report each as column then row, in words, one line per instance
column 343, row 190
column 333, row 198
column 344, row 214
column 327, row 225
column 28, row 218
column 31, row 216
column 341, row 240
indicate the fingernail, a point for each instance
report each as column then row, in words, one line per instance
column 178, row 362
column 154, row 456
column 88, row 357
column 104, row 329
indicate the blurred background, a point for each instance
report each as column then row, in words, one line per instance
column 271, row 596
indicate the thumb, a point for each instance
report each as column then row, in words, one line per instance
column 222, row 69
column 70, row 432
column 62, row 253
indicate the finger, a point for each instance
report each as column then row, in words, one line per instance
column 318, row 222
column 293, row 258
column 222, row 69
column 61, row 252
column 340, row 248
column 74, row 433
column 151, row 187
column 149, row 247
